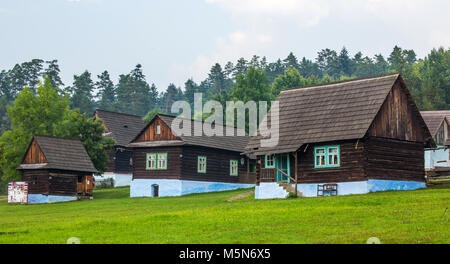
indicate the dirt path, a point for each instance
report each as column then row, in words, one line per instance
column 240, row 196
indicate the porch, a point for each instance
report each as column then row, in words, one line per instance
column 277, row 168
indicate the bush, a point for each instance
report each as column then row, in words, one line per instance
column 104, row 184
column 291, row 195
column 3, row 187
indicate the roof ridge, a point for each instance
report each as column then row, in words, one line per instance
column 98, row 109
column 65, row 138
column 339, row 82
column 192, row 119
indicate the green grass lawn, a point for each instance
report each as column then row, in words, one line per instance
column 112, row 217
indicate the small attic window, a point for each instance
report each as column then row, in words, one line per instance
column 125, row 126
column 158, row 129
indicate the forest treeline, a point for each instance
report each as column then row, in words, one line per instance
column 256, row 78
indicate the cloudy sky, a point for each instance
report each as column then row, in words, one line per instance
column 177, row 40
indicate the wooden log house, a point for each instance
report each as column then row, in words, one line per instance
column 57, row 170
column 168, row 164
column 348, row 137
column 122, row 128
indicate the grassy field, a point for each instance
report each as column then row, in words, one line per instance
column 112, row 217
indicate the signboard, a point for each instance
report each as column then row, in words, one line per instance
column 18, row 192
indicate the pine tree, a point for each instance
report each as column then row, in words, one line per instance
column 81, row 93
column 133, row 93
column 345, row 62
column 154, row 97
column 217, row 81
column 52, row 72
column 106, row 92
column 190, row 88
column 240, row 67
column 171, row 95
column 291, row 62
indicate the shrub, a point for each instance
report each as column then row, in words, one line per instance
column 104, row 184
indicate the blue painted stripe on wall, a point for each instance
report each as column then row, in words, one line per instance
column 388, row 185
column 143, row 187
column 41, row 198
column 273, row 190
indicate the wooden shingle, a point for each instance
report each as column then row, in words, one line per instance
column 62, row 154
column 122, row 127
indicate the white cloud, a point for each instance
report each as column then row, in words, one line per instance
column 258, row 24
column 276, row 27
column 438, row 38
column 305, row 13
column 237, row 44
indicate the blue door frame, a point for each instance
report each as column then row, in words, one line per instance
column 283, row 165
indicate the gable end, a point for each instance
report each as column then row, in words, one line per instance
column 149, row 133
column 399, row 118
column 34, row 154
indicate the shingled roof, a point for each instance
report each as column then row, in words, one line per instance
column 62, row 154
column 233, row 143
column 122, row 127
column 330, row 112
column 434, row 119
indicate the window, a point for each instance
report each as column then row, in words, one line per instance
column 333, row 156
column 156, row 161
column 233, row 167
column 162, row 161
column 151, row 161
column 201, row 164
column 270, row 161
column 320, row 157
column 158, row 129
column 326, row 157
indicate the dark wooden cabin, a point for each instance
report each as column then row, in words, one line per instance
column 166, row 164
column 348, row 137
column 437, row 159
column 122, row 128
column 57, row 169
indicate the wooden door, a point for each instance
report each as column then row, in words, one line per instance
column 283, row 166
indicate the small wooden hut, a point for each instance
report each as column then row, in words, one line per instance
column 57, row 170
column 349, row 137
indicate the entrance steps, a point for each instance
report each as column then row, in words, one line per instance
column 289, row 189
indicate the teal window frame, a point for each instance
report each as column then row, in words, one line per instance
column 156, row 161
column 198, row 164
column 265, row 161
column 237, row 168
column 327, row 165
